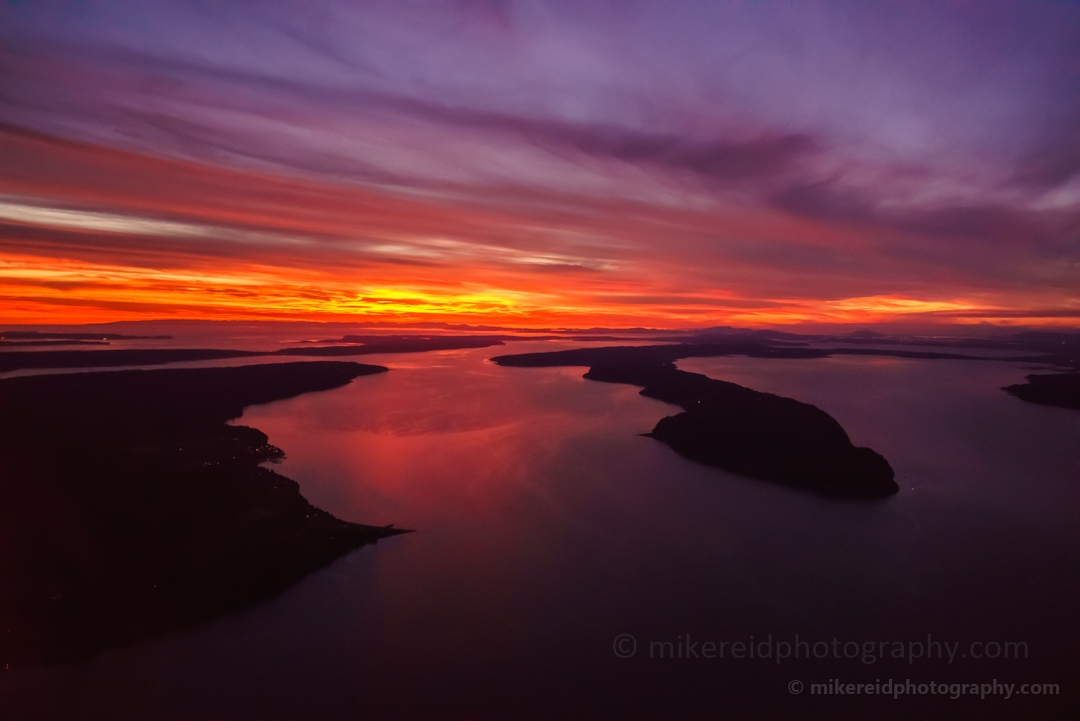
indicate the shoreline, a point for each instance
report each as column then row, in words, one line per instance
column 736, row 429
column 129, row 506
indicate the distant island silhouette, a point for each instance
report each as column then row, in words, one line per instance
column 1055, row 389
column 46, row 335
column 29, row 343
column 725, row 425
column 24, row 338
column 22, row 360
column 128, row 506
column 1061, row 349
column 396, row 344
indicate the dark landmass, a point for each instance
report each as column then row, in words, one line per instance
column 377, row 339
column 615, row 338
column 725, row 425
column 1053, row 347
column 128, row 506
column 653, row 353
column 922, row 355
column 1061, row 349
column 465, row 341
column 726, row 332
column 674, row 352
column 39, row 335
column 1058, row 389
column 22, row 360
column 394, row 344
column 25, row 343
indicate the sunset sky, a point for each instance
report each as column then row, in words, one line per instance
column 541, row 164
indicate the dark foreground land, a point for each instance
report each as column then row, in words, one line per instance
column 128, row 506
column 735, row 428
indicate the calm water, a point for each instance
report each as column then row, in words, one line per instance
column 547, row 527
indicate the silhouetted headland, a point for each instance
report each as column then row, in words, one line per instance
column 33, row 343
column 675, row 351
column 128, row 506
column 1057, row 389
column 45, row 335
column 395, row 344
column 725, row 425
column 22, row 360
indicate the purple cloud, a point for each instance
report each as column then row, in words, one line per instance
column 935, row 127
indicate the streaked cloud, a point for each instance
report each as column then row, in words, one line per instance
column 693, row 163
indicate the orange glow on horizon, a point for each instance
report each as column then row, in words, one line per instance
column 89, row 234
column 102, row 293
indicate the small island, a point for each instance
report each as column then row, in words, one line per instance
column 727, row 426
column 1054, row 389
column 129, row 505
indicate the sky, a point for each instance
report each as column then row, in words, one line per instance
column 542, row 164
